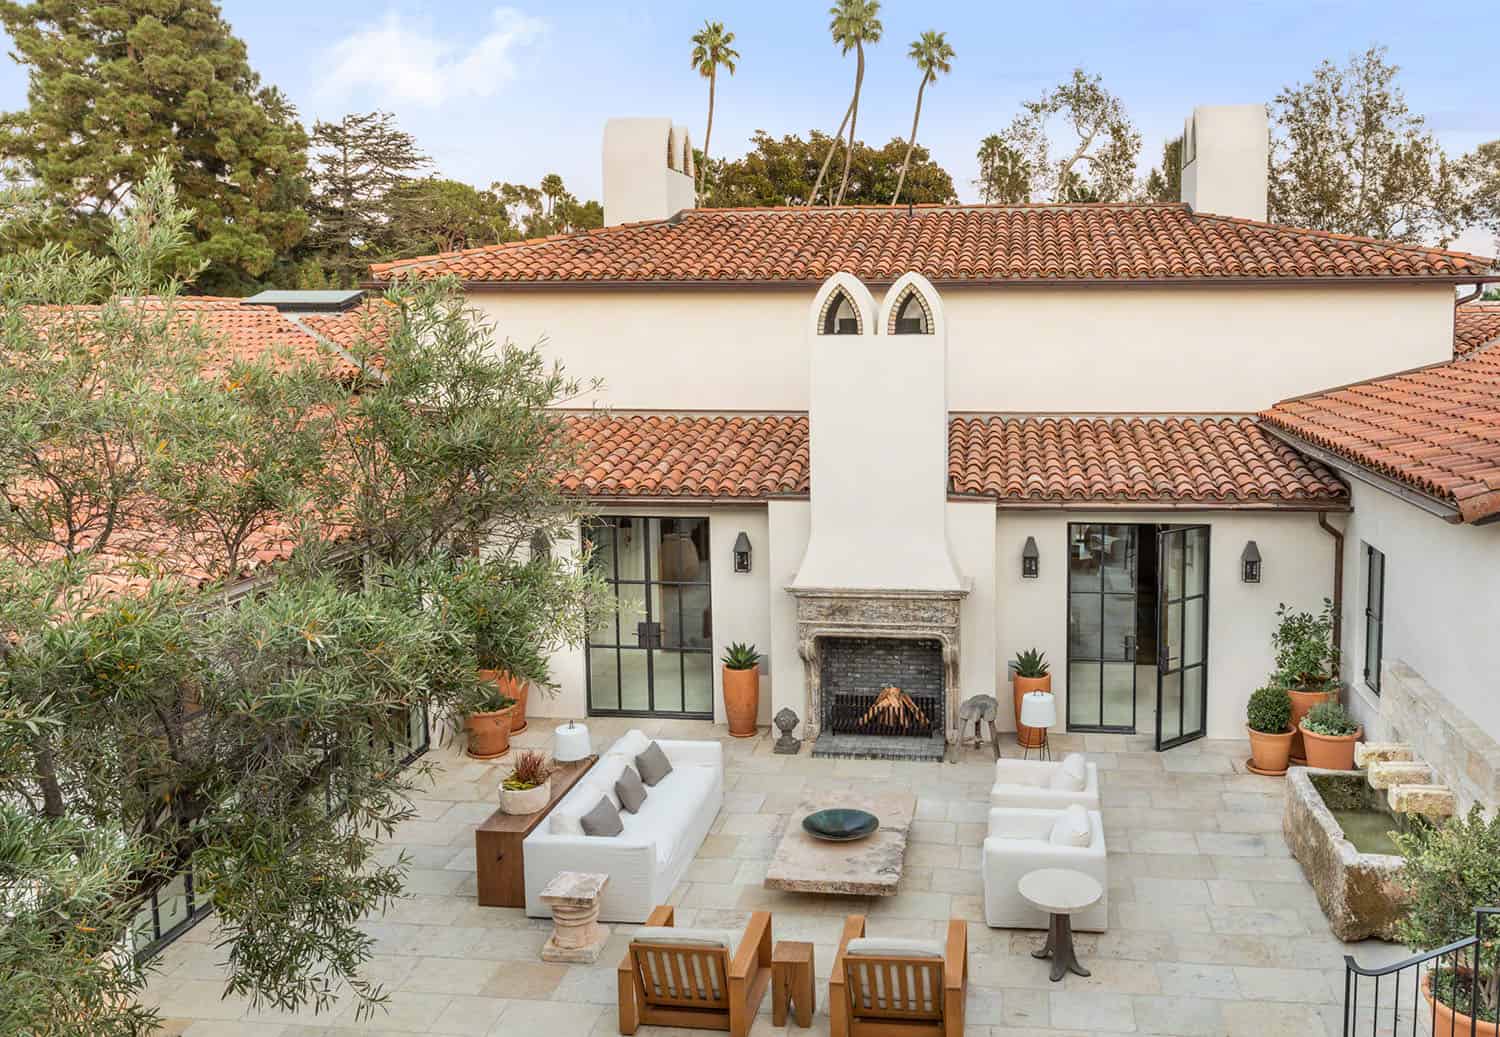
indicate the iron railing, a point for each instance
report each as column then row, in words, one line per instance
column 1390, row 1001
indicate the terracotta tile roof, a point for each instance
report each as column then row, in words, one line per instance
column 1226, row 462
column 1209, row 461
column 355, row 330
column 1475, row 324
column 996, row 244
column 1436, row 429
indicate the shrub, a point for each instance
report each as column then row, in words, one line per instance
column 1306, row 657
column 741, row 656
column 1032, row 664
column 1269, row 711
column 1330, row 720
column 530, row 770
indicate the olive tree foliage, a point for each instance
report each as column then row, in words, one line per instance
column 1348, row 155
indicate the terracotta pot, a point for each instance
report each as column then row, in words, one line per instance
column 742, row 700
column 511, row 688
column 1446, row 1020
column 1302, row 703
column 1270, row 753
column 1029, row 737
column 489, row 733
column 1331, row 752
column 525, row 801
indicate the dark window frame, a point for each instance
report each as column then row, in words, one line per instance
column 1374, row 567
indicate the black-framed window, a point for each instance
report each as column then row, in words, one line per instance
column 1374, row 615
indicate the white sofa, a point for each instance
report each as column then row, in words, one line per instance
column 1027, row 783
column 1018, row 843
column 646, row 860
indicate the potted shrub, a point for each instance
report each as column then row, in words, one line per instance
column 1329, row 733
column 1307, row 662
column 1033, row 673
column 1451, row 870
column 528, row 786
column 1268, row 718
column 742, row 688
column 488, row 725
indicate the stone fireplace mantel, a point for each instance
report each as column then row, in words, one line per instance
column 848, row 612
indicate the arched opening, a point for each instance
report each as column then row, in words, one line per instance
column 840, row 316
column 912, row 316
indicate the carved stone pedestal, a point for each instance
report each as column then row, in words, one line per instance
column 577, row 937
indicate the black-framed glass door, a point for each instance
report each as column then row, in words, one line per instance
column 653, row 654
column 1102, row 562
column 1182, row 636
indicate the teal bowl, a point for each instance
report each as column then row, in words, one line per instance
column 840, row 824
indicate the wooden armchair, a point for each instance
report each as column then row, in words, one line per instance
column 873, row 995
column 697, row 986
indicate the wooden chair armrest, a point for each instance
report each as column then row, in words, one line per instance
column 854, row 928
column 955, row 959
column 745, row 956
column 661, row 914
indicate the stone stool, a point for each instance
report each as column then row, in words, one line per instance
column 577, row 936
column 792, row 982
column 980, row 710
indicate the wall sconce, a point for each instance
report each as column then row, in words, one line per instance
column 742, row 553
column 1031, row 560
column 1250, row 563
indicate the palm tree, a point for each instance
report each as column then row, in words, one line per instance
column 552, row 190
column 933, row 56
column 711, row 48
column 853, row 23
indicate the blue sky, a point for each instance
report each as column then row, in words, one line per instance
column 510, row 92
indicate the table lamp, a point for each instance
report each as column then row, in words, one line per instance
column 570, row 743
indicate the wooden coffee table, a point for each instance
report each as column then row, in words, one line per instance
column 497, row 842
column 869, row 867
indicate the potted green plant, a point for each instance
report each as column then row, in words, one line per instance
column 528, row 786
column 1451, row 870
column 1268, row 718
column 1329, row 733
column 742, row 688
column 1307, row 663
column 1033, row 673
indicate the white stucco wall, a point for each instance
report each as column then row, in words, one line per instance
column 1442, row 604
column 1298, row 569
column 1142, row 350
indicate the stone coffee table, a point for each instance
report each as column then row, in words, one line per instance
column 869, row 867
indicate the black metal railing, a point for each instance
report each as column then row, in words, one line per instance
column 1396, row 999
column 849, row 714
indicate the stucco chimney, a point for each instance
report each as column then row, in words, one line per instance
column 1224, row 152
column 648, row 170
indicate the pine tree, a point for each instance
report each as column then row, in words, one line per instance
column 358, row 162
column 115, row 83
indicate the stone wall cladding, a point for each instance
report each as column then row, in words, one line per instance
column 1462, row 756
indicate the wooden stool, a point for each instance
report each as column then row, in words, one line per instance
column 792, row 980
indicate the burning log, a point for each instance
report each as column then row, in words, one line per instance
column 896, row 708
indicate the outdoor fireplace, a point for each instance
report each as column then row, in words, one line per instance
column 882, row 686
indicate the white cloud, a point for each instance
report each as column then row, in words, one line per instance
column 397, row 60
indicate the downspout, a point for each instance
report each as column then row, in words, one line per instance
column 1459, row 300
column 1338, row 585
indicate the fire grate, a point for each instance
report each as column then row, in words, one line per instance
column 850, row 714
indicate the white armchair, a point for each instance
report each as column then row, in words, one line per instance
column 1028, row 783
column 1018, row 842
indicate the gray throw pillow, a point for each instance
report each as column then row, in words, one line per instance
column 653, row 764
column 604, row 819
column 630, row 790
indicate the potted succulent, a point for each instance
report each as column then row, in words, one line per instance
column 528, row 786
column 1329, row 733
column 1307, row 663
column 488, row 724
column 1268, row 718
column 742, row 688
column 1451, row 870
column 1033, row 673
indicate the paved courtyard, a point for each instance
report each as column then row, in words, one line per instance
column 1213, row 930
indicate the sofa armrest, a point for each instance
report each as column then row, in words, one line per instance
column 1021, row 823
column 685, row 753
column 1024, row 772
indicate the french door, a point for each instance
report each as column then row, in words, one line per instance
column 1182, row 635
column 1102, row 564
column 652, row 655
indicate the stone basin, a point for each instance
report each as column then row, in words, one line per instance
column 1360, row 892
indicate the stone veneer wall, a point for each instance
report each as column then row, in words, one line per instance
column 1465, row 758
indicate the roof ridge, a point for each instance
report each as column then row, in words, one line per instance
column 1287, row 228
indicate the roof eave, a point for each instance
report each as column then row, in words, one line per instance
column 1443, row 509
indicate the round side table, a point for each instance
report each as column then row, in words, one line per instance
column 1061, row 892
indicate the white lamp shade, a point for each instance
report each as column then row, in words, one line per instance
column 1038, row 709
column 570, row 742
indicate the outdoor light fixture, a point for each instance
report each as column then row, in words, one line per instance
column 742, row 553
column 570, row 742
column 1250, row 563
column 1031, row 560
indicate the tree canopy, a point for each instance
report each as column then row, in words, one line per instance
column 782, row 171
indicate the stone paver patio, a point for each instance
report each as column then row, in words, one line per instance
column 1213, row 930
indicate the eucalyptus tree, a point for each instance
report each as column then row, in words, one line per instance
column 712, row 49
column 852, row 24
column 934, row 56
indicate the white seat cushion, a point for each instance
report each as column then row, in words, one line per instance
column 1072, row 775
column 686, row 937
column 630, row 745
column 605, row 773
column 566, row 819
column 888, row 947
column 1072, row 828
column 669, row 809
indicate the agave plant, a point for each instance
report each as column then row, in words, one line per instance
column 741, row 656
column 1032, row 663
